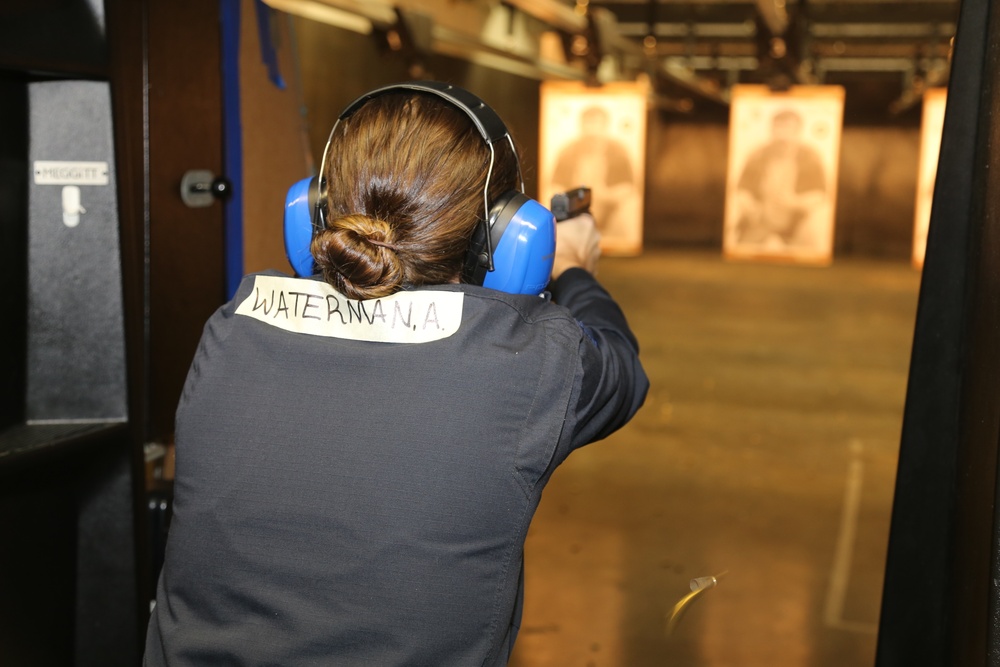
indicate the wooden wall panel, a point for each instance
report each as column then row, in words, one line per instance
column 275, row 143
column 338, row 66
column 186, row 279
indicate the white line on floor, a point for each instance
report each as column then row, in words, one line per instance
column 840, row 573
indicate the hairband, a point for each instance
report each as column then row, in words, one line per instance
column 390, row 246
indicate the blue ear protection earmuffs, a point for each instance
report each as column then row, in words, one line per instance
column 511, row 251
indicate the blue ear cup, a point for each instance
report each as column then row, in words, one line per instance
column 300, row 207
column 524, row 246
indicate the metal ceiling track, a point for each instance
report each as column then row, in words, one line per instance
column 703, row 47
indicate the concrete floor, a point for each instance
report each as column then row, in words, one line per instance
column 766, row 453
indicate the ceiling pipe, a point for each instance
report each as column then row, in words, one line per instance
column 369, row 16
column 554, row 13
column 774, row 14
column 323, row 13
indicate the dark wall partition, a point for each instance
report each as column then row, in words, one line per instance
column 54, row 37
column 941, row 596
column 13, row 245
column 69, row 559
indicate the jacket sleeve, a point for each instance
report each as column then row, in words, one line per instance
column 613, row 385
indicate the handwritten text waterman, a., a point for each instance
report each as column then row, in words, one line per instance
column 315, row 308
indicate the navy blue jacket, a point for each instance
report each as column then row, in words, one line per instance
column 340, row 500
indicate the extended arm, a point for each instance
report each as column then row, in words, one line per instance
column 614, row 384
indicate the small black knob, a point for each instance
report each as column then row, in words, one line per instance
column 221, row 188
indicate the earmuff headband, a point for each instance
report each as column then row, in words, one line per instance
column 487, row 122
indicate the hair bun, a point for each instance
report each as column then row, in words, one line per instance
column 358, row 257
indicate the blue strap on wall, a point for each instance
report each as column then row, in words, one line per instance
column 268, row 54
column 232, row 140
column 232, row 126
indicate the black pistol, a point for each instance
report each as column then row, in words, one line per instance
column 571, row 203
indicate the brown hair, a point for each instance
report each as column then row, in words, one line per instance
column 405, row 177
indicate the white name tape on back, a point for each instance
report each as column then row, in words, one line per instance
column 315, row 308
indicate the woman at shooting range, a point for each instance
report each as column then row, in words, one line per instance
column 360, row 452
